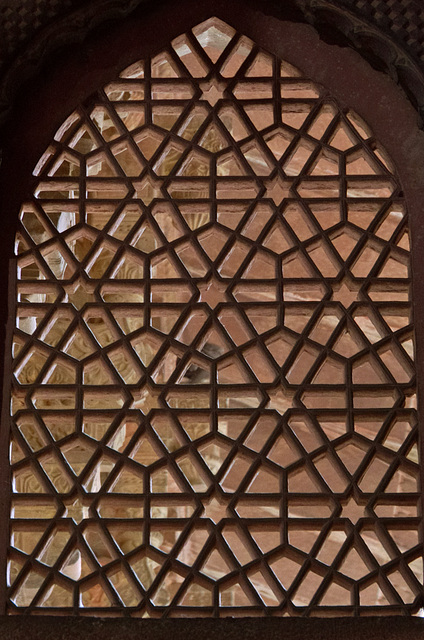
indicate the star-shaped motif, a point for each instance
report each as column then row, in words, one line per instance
column 277, row 189
column 75, row 509
column 352, row 510
column 147, row 189
column 213, row 90
column 280, row 399
column 80, row 293
column 145, row 399
column 346, row 292
column 215, row 508
column 212, row 292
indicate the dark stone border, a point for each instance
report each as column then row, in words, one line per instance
column 69, row 79
column 66, row 628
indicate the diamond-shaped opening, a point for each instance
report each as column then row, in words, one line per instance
column 78, row 453
column 58, row 260
column 213, row 36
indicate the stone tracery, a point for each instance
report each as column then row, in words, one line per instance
column 219, row 382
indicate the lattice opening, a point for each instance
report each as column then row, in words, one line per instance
column 213, row 383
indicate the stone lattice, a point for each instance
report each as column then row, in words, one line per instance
column 213, row 381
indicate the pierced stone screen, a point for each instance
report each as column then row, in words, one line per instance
column 213, row 382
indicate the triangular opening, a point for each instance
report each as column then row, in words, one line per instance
column 66, row 165
column 404, row 538
column 97, row 372
column 367, row 370
column 130, row 267
column 77, row 454
column 145, row 239
column 302, row 480
column 234, row 596
column 263, row 319
column 296, row 266
column 262, row 115
column 195, row 164
column 94, row 596
column 404, row 242
column 100, row 166
column 353, row 565
column 195, row 371
column 230, row 214
column 26, row 541
column 264, row 482
column 345, row 241
column 127, row 539
column 214, row 343
column 196, row 596
column 216, row 565
column 257, row 159
column 362, row 214
column 133, row 116
column 213, row 139
column 127, row 482
column 127, row 319
column 57, row 596
column 163, row 66
column 278, row 239
column 231, row 371
column 164, row 117
column 394, row 267
column 332, row 371
column 303, row 539
column 351, row 456
column 326, row 164
column 229, row 164
column 403, row 481
column 336, row 595
column 373, row 595
column 348, row 343
column 361, row 163
column 213, row 241
column 267, row 538
column 286, row 570
column 61, row 371
column 264, row 587
column 76, row 565
column 261, row 66
column 284, row 452
column 144, row 452
column 162, row 267
column 324, row 259
column 261, row 266
column 148, row 141
column 83, row 141
column 164, row 481
column 344, row 138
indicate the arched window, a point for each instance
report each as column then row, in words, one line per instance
column 213, row 390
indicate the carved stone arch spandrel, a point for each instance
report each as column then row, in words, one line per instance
column 383, row 35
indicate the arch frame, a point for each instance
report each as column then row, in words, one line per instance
column 340, row 70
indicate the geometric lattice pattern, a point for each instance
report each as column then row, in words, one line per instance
column 213, row 383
